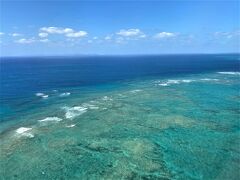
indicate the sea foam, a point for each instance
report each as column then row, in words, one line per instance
column 39, row 94
column 71, row 125
column 163, row 84
column 187, row 80
column 72, row 112
column 90, row 106
column 23, row 131
column 42, row 95
column 50, row 119
column 209, row 79
column 106, row 98
column 172, row 81
column 229, row 73
column 65, row 94
column 136, row 90
column 45, row 96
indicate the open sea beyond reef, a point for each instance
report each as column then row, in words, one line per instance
column 120, row 117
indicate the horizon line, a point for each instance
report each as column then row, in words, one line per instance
column 99, row 55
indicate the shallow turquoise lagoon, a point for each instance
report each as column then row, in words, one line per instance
column 154, row 128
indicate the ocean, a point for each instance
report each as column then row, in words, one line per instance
column 120, row 117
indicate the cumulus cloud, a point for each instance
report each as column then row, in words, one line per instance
column 15, row 34
column 31, row 40
column 162, row 35
column 25, row 41
column 227, row 35
column 143, row 36
column 43, row 34
column 131, row 33
column 56, row 30
column 68, row 32
column 77, row 34
column 44, row 40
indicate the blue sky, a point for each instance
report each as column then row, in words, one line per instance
column 32, row 28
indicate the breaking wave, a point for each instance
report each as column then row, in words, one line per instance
column 229, row 73
column 72, row 112
column 50, row 119
column 23, row 131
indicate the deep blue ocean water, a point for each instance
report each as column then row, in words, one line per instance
column 120, row 117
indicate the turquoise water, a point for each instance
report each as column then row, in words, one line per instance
column 137, row 117
column 154, row 128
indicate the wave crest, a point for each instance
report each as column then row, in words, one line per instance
column 229, row 73
column 23, row 131
column 72, row 112
column 42, row 95
column 49, row 119
column 65, row 94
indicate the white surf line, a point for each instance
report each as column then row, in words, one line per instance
column 42, row 95
column 50, row 119
column 72, row 112
column 24, row 131
column 65, row 94
column 71, row 125
column 229, row 73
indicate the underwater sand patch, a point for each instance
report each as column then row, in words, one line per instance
column 165, row 122
column 142, row 155
column 137, row 147
column 100, row 146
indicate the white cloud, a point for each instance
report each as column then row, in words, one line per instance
column 44, row 40
column 31, row 40
column 143, row 36
column 77, row 34
column 43, row 34
column 119, row 40
column 25, row 41
column 1, row 33
column 56, row 30
column 227, row 35
column 108, row 38
column 130, row 33
column 15, row 34
column 68, row 32
column 164, row 35
column 95, row 37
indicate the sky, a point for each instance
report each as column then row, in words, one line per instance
column 51, row 27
